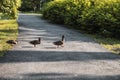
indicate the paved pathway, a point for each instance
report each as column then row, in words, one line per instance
column 80, row 59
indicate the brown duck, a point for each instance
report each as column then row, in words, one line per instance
column 60, row 43
column 12, row 42
column 35, row 42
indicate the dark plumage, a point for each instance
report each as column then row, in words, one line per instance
column 12, row 42
column 35, row 42
column 60, row 43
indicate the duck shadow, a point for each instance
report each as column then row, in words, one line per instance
column 27, row 47
column 50, row 47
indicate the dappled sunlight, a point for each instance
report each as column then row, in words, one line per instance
column 30, row 29
column 53, row 65
column 64, row 65
column 80, row 58
column 74, row 41
column 30, row 14
column 48, row 51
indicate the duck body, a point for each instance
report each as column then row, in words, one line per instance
column 12, row 42
column 35, row 42
column 60, row 42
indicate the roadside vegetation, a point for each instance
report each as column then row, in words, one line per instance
column 111, row 44
column 9, row 8
column 100, row 18
column 8, row 23
column 8, row 30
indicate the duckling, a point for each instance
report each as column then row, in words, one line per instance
column 35, row 42
column 12, row 42
column 60, row 43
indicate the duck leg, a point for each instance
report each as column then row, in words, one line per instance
column 34, row 45
column 57, row 46
column 62, row 45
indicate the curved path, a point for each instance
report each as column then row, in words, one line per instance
column 80, row 58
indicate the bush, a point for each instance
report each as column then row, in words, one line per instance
column 9, row 8
column 92, row 16
column 54, row 11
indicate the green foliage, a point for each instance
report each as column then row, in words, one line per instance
column 92, row 16
column 111, row 44
column 9, row 8
column 54, row 11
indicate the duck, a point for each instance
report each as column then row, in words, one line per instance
column 12, row 42
column 60, row 42
column 35, row 42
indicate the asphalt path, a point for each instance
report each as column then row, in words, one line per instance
column 81, row 58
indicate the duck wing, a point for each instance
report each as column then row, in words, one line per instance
column 58, row 43
column 34, row 42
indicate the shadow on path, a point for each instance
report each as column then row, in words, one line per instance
column 61, row 76
column 51, row 56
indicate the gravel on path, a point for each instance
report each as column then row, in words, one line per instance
column 81, row 58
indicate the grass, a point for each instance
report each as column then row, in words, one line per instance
column 8, row 30
column 111, row 44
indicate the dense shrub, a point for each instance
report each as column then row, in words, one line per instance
column 92, row 16
column 54, row 11
column 9, row 8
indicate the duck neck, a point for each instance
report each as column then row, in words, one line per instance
column 63, row 38
column 39, row 40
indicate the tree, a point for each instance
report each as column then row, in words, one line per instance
column 32, row 5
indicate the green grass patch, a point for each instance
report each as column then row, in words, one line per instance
column 8, row 30
column 111, row 44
